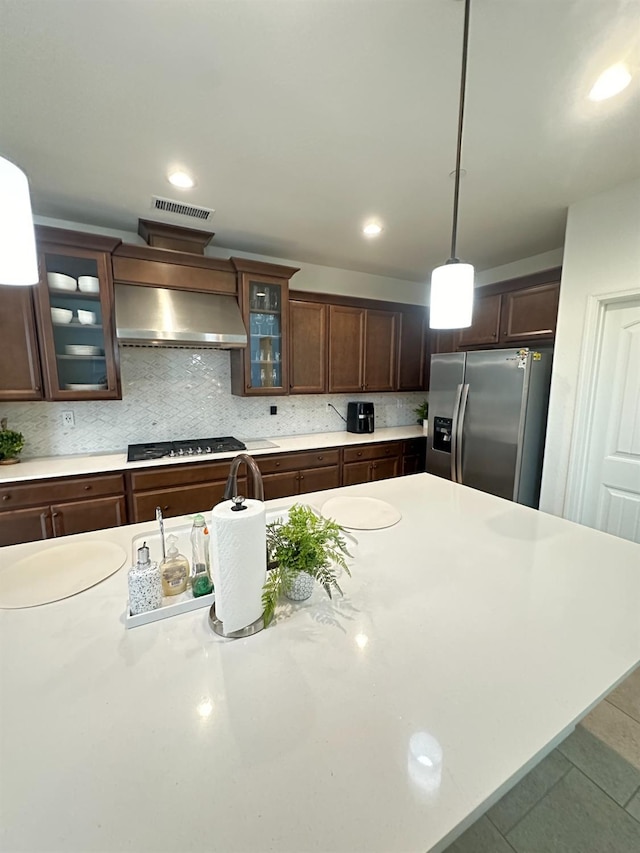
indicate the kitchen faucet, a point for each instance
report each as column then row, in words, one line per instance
column 231, row 488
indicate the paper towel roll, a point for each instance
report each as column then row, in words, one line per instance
column 239, row 562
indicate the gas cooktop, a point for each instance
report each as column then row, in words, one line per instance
column 180, row 449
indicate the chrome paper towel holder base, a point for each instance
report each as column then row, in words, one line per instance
column 217, row 627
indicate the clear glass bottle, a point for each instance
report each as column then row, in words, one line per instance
column 174, row 569
column 201, row 582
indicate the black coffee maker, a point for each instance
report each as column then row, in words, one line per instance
column 360, row 417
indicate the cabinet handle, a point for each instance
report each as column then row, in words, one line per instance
column 277, row 464
column 320, row 458
column 87, row 488
column 36, row 387
column 6, row 497
column 43, row 524
column 375, row 465
column 302, row 476
column 359, row 453
column 57, row 530
column 165, row 508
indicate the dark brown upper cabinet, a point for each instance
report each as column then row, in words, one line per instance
column 517, row 312
column 530, row 313
column 44, row 358
column 262, row 369
column 380, row 351
column 412, row 349
column 346, row 349
column 20, row 374
column 307, row 347
column 485, row 326
column 79, row 356
column 362, row 349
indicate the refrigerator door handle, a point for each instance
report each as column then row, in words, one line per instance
column 454, row 435
column 464, row 396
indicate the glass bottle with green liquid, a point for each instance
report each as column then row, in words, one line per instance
column 201, row 583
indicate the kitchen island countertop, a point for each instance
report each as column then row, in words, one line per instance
column 43, row 467
column 488, row 626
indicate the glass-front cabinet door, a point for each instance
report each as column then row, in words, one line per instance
column 265, row 334
column 262, row 369
column 75, row 304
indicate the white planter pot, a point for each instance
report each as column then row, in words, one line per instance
column 301, row 588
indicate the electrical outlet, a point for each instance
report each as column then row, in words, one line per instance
column 68, row 420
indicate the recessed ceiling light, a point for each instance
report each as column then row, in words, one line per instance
column 181, row 179
column 372, row 229
column 610, row 82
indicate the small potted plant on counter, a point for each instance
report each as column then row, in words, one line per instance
column 422, row 413
column 302, row 549
column 11, row 443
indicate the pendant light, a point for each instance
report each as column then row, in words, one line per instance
column 18, row 261
column 452, row 283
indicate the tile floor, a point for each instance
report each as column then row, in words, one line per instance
column 584, row 797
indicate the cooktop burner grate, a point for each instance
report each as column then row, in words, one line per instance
column 180, row 449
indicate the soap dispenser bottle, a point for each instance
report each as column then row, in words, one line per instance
column 145, row 585
column 201, row 582
column 174, row 569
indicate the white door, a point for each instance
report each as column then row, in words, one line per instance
column 612, row 485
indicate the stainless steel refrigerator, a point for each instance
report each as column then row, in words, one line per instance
column 488, row 418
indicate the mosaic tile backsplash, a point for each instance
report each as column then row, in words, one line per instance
column 173, row 394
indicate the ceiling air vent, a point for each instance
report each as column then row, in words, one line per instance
column 177, row 208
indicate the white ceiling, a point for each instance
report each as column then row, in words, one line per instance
column 302, row 118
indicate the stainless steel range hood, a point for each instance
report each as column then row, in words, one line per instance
column 156, row 316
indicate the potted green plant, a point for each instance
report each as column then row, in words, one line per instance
column 302, row 549
column 422, row 413
column 11, row 443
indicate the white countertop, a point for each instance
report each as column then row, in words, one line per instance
column 67, row 466
column 490, row 626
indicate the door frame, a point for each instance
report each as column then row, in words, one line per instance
column 582, row 431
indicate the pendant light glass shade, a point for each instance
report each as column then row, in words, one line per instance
column 451, row 296
column 18, row 260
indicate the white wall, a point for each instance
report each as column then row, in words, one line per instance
column 601, row 255
column 525, row 266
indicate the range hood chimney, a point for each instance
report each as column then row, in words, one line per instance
column 148, row 314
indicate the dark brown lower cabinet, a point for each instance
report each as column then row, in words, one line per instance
column 28, row 512
column 280, row 485
column 181, row 500
column 36, row 516
column 319, row 479
column 25, row 525
column 82, row 516
column 369, row 462
column 414, row 456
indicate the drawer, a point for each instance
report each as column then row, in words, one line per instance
column 372, row 451
column 297, row 461
column 181, row 474
column 182, row 500
column 68, row 489
column 414, row 446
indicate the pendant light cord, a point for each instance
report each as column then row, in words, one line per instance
column 463, row 83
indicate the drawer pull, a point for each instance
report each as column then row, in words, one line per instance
column 302, row 476
column 277, row 464
column 87, row 488
column 320, row 458
column 359, row 453
column 165, row 508
column 6, row 497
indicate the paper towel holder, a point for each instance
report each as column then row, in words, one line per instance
column 218, row 628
